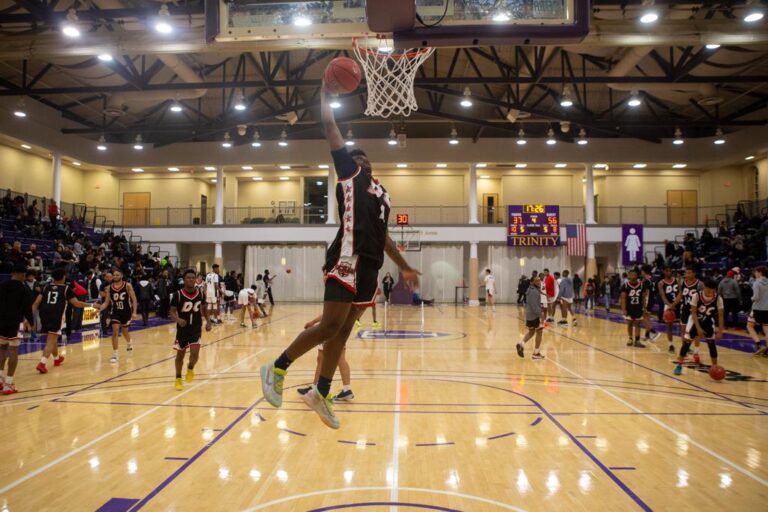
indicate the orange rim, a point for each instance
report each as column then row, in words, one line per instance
column 393, row 54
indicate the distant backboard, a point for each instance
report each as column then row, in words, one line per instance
column 456, row 22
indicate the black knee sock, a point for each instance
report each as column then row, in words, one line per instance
column 324, row 386
column 283, row 362
column 178, row 375
column 684, row 349
column 712, row 349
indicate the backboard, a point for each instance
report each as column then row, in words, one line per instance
column 439, row 22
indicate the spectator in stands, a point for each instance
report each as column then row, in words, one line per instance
column 144, row 293
column 731, row 293
column 577, row 285
column 16, row 255
column 33, row 210
column 53, row 213
column 164, row 290
column 522, row 287
column 8, row 204
column 606, row 291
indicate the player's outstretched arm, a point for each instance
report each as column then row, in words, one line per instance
column 330, row 129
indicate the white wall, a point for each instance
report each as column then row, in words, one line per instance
column 304, row 283
column 441, row 267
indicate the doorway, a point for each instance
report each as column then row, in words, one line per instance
column 682, row 207
column 136, row 208
column 490, row 208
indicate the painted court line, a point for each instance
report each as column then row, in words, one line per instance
column 669, row 429
column 537, row 421
column 128, row 423
column 504, row 435
column 448, row 443
column 622, row 468
column 395, row 468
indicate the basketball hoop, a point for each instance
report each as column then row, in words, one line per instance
column 402, row 247
column 389, row 74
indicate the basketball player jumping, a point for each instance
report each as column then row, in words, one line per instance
column 51, row 304
column 186, row 306
column 121, row 298
column 354, row 259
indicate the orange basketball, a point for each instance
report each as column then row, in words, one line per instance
column 287, row 271
column 717, row 372
column 342, row 75
column 669, row 315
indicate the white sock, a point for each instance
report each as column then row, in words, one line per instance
column 696, row 350
column 115, row 353
column 44, row 360
column 346, row 388
column 1, row 375
column 9, row 380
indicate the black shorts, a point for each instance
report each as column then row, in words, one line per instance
column 9, row 331
column 759, row 317
column 533, row 324
column 709, row 331
column 122, row 317
column 356, row 285
column 635, row 314
column 51, row 323
column 185, row 340
column 685, row 314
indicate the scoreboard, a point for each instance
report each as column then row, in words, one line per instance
column 534, row 225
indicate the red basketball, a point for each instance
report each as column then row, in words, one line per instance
column 342, row 75
column 717, row 372
column 287, row 271
column 669, row 316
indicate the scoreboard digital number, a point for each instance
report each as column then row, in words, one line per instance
column 534, row 225
column 402, row 219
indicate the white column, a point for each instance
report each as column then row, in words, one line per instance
column 591, row 269
column 218, row 256
column 219, row 213
column 331, row 202
column 474, row 270
column 473, row 197
column 589, row 200
column 56, row 179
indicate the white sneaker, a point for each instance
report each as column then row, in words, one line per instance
column 113, row 359
column 322, row 406
column 272, row 384
column 129, row 347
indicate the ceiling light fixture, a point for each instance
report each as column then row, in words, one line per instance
column 173, row 169
column 324, row 166
column 750, row 157
column 640, row 166
column 441, row 166
column 600, row 166
column 678, row 140
column 481, row 165
column 247, row 167
column 649, row 15
column 582, row 138
column 256, row 143
column 69, row 27
column 454, row 137
column 521, row 166
column 551, row 140
column 634, row 99
column 104, row 57
column 500, row 17
column 285, row 167
column 284, row 178
column 521, row 138
column 137, row 169
column 565, row 99
column 466, row 100
column 227, row 142
column 176, row 107
column 719, row 137
column 484, row 177
column 20, row 110
column 209, row 168
column 257, row 178
column 102, row 146
column 712, row 46
column 26, row 146
column 402, row 166
column 392, row 141
column 335, row 103
column 163, row 21
column 240, row 102
column 561, row 166
column 350, row 138
column 283, row 142
column 754, row 12
column 77, row 164
column 138, row 144
column 680, row 166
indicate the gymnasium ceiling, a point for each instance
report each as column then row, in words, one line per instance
column 681, row 83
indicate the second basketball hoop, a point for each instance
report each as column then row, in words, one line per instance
column 389, row 75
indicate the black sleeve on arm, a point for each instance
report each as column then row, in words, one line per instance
column 27, row 310
column 343, row 163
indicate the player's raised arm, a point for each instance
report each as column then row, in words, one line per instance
column 330, row 129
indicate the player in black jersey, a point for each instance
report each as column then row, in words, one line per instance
column 689, row 288
column 51, row 304
column 669, row 289
column 648, row 289
column 633, row 299
column 121, row 300
column 187, row 310
column 353, row 259
column 15, row 316
column 708, row 321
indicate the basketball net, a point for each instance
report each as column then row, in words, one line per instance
column 389, row 74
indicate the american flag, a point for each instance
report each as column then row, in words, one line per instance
column 577, row 239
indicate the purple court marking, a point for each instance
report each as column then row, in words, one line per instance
column 89, row 402
column 261, row 418
column 536, row 421
column 345, row 411
column 624, row 487
column 622, row 468
column 436, row 444
column 354, row 442
column 117, row 505
column 404, row 335
column 503, row 435
column 658, row 413
column 586, row 437
column 383, row 504
column 174, row 458
column 418, row 404
column 293, row 432
column 33, row 407
column 211, row 429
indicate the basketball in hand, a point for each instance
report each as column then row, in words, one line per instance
column 342, row 75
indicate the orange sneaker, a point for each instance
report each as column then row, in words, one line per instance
column 9, row 389
column 41, row 367
column 58, row 361
column 696, row 359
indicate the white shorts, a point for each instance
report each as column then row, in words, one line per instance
column 490, row 292
column 568, row 301
column 243, row 301
column 211, row 300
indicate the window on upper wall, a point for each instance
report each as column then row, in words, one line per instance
column 315, row 200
